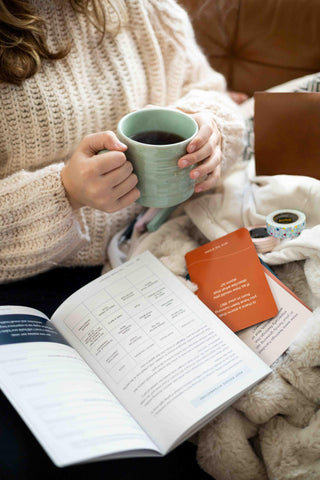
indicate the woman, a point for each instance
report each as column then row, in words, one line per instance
column 69, row 71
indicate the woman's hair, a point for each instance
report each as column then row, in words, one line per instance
column 23, row 43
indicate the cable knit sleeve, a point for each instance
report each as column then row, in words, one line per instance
column 38, row 228
column 202, row 88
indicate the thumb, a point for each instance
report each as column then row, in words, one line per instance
column 92, row 144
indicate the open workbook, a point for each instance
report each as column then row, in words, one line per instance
column 131, row 364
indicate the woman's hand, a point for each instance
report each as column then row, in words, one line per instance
column 204, row 151
column 103, row 181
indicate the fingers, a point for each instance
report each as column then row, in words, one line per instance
column 210, row 180
column 120, row 195
column 209, row 169
column 92, row 144
column 105, row 151
column 125, row 200
column 198, row 159
column 103, row 181
column 130, row 196
column 115, row 188
column 206, row 166
column 104, row 195
column 205, row 132
column 121, row 180
column 206, row 159
column 202, row 145
column 204, row 152
column 109, row 161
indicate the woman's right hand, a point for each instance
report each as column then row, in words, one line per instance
column 103, row 181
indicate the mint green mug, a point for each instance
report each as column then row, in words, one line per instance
column 156, row 138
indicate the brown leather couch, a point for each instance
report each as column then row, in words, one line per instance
column 258, row 44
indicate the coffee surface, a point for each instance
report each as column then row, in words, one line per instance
column 157, row 137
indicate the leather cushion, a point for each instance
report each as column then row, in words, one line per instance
column 257, row 44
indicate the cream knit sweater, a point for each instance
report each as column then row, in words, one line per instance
column 154, row 60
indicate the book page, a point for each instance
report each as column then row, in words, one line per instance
column 66, row 406
column 271, row 338
column 160, row 350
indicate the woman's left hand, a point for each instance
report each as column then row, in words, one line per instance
column 204, row 152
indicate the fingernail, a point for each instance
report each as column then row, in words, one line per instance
column 183, row 163
column 198, row 189
column 195, row 174
column 191, row 148
column 120, row 145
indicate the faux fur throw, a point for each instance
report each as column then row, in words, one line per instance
column 273, row 432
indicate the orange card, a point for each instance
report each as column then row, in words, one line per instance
column 231, row 280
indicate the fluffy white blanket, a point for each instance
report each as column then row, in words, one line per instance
column 246, row 200
column 273, row 432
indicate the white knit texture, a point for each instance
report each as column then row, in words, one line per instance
column 154, row 60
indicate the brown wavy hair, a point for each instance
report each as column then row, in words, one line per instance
column 23, row 44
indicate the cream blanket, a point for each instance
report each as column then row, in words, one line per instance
column 273, row 432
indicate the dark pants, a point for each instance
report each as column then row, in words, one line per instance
column 21, row 457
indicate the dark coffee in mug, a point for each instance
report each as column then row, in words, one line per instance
column 157, row 137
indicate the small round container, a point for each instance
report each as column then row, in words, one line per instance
column 261, row 239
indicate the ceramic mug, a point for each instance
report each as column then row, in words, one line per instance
column 147, row 134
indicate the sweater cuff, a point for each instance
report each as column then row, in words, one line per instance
column 40, row 228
